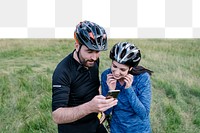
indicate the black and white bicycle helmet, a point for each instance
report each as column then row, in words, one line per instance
column 91, row 35
column 126, row 53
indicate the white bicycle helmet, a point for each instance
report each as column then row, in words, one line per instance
column 126, row 53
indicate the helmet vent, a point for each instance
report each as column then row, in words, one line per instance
column 123, row 54
column 92, row 40
column 124, row 44
column 99, row 40
column 117, row 51
column 130, row 55
column 83, row 37
column 88, row 30
column 98, row 32
column 132, row 47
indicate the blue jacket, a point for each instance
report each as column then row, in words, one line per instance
column 132, row 113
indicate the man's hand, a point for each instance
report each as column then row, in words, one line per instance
column 70, row 114
column 100, row 104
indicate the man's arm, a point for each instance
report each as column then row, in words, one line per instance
column 70, row 114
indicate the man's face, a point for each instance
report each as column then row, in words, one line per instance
column 88, row 57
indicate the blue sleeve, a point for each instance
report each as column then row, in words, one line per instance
column 141, row 102
column 105, row 88
column 104, row 85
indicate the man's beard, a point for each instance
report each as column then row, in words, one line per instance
column 88, row 63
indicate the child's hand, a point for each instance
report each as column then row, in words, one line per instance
column 128, row 79
column 111, row 82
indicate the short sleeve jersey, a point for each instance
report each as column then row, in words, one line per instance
column 73, row 84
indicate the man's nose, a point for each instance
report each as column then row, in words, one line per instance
column 94, row 56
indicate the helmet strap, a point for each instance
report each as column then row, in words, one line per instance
column 78, row 54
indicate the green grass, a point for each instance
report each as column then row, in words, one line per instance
column 26, row 67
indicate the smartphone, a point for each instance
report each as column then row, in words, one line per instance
column 112, row 93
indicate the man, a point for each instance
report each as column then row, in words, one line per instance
column 75, row 83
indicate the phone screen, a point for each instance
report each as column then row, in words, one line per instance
column 112, row 93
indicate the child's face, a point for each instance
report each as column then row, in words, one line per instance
column 119, row 71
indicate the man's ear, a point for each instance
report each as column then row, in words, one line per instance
column 76, row 46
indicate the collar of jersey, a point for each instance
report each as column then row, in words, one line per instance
column 81, row 68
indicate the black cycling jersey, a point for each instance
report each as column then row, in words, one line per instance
column 72, row 85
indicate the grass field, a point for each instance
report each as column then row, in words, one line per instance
column 26, row 67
